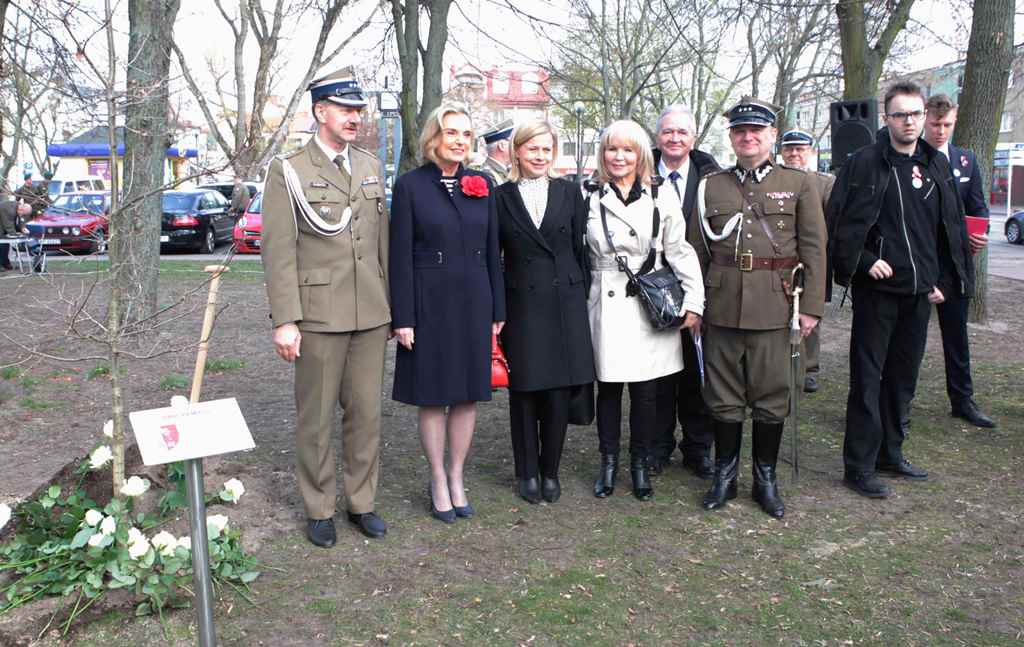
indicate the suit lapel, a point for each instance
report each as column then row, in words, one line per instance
column 690, row 194
column 521, row 216
column 327, row 170
column 553, row 214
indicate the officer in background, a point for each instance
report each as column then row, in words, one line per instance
column 239, row 198
column 499, row 156
column 754, row 223
column 797, row 150
column 34, row 195
column 325, row 242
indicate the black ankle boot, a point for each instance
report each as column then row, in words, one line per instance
column 550, row 489
column 642, row 488
column 604, row 486
column 767, row 438
column 727, row 459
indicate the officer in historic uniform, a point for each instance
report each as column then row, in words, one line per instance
column 755, row 222
column 325, row 244
column 498, row 141
column 797, row 150
column 34, row 195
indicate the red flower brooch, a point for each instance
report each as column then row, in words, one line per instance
column 474, row 186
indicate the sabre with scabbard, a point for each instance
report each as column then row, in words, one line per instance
column 796, row 282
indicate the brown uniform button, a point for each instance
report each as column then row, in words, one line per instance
column 611, row 293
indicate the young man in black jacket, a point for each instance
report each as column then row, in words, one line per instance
column 897, row 236
column 682, row 166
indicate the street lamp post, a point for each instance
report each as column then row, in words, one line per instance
column 578, row 109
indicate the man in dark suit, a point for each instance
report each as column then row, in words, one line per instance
column 938, row 130
column 682, row 166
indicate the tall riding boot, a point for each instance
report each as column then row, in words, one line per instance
column 767, row 438
column 728, row 436
column 642, row 488
column 604, row 486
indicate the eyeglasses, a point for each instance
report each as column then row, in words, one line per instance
column 907, row 116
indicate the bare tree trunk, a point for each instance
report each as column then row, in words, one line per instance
column 989, row 60
column 151, row 29
column 862, row 62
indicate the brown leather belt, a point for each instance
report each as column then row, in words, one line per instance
column 749, row 262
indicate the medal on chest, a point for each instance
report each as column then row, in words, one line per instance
column 915, row 177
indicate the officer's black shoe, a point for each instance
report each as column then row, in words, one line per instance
column 642, row 488
column 321, row 532
column 550, row 489
column 866, row 485
column 727, row 459
column 656, row 465
column 369, row 524
column 904, row 469
column 970, row 412
column 811, row 384
column 700, row 464
column 529, row 490
column 604, row 486
column 766, row 490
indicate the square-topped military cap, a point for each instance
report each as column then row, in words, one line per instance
column 338, row 87
column 752, row 112
column 796, row 137
column 499, row 132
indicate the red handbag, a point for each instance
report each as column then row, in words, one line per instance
column 499, row 366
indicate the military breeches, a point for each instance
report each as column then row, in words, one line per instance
column 747, row 368
column 333, row 368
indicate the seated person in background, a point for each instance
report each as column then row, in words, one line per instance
column 13, row 216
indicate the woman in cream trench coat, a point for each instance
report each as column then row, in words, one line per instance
column 627, row 349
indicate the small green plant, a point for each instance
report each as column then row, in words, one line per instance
column 29, row 383
column 10, row 372
column 100, row 370
column 219, row 365
column 35, row 404
column 173, row 382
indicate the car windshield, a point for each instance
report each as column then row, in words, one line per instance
column 178, row 201
column 69, row 202
column 256, row 204
column 53, row 187
column 94, row 203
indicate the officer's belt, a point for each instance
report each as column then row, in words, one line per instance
column 749, row 262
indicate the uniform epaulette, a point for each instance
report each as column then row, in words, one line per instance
column 289, row 154
column 827, row 176
column 793, row 168
column 364, row 151
column 719, row 172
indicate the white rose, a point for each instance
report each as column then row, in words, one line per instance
column 164, row 542
column 234, row 490
column 5, row 514
column 93, row 517
column 138, row 549
column 179, row 402
column 218, row 523
column 108, row 525
column 108, row 429
column 185, row 542
column 100, row 457
column 134, row 486
column 135, row 535
column 96, row 539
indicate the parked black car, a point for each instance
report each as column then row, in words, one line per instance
column 195, row 220
column 1014, row 228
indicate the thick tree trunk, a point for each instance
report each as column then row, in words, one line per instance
column 151, row 29
column 989, row 59
column 862, row 62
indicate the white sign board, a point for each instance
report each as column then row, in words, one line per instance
column 204, row 429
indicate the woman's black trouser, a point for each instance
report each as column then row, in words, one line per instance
column 539, row 420
column 642, row 416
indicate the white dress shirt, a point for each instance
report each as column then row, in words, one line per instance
column 331, row 153
column 683, row 172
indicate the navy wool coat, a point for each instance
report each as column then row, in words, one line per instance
column 446, row 283
column 547, row 336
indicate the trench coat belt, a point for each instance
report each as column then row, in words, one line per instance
column 609, row 265
column 749, row 262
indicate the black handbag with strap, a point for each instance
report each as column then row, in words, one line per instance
column 659, row 291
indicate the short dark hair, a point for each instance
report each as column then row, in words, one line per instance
column 939, row 105
column 908, row 88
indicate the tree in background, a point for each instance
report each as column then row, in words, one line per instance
column 989, row 60
column 863, row 62
column 415, row 55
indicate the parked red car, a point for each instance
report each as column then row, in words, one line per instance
column 75, row 222
column 249, row 228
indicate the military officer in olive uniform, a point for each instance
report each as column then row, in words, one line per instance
column 754, row 223
column 499, row 155
column 797, row 150
column 325, row 245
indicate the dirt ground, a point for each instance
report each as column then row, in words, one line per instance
column 940, row 563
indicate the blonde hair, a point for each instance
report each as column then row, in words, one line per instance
column 632, row 134
column 525, row 133
column 430, row 137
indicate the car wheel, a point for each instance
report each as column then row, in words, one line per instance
column 1013, row 232
column 99, row 246
column 209, row 242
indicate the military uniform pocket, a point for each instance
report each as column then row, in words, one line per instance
column 315, row 294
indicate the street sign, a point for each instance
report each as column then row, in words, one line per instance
column 388, row 104
column 171, row 434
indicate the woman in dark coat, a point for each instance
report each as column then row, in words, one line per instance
column 547, row 340
column 447, row 298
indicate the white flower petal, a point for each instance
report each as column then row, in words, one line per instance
column 5, row 514
column 138, row 549
column 235, row 489
column 96, row 539
column 164, row 542
column 185, row 542
column 108, row 429
column 217, row 522
column 93, row 517
column 134, row 486
column 135, row 536
column 108, row 526
column 100, row 457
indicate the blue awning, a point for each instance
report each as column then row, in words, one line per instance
column 103, row 150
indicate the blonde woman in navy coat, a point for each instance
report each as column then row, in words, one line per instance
column 542, row 221
column 447, row 297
